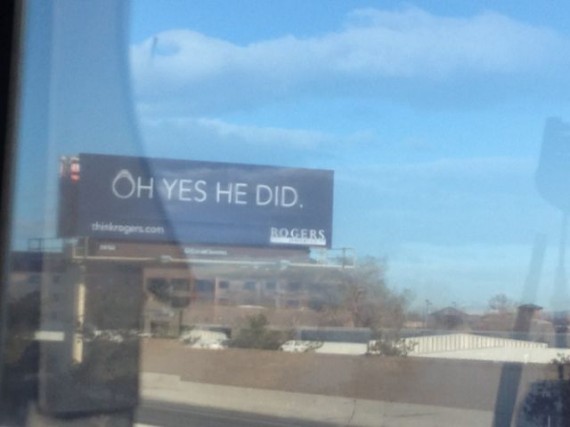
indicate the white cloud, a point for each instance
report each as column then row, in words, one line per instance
column 373, row 51
column 490, row 171
column 219, row 131
column 214, row 139
column 449, row 201
column 414, row 42
column 265, row 135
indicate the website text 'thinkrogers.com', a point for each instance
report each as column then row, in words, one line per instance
column 126, row 229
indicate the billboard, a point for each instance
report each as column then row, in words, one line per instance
column 166, row 200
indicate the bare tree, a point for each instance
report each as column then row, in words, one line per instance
column 501, row 304
column 368, row 299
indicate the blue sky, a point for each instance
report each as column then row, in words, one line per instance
column 431, row 114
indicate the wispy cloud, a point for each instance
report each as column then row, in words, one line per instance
column 405, row 54
column 485, row 173
column 416, row 43
column 449, row 201
column 468, row 274
column 222, row 140
column 258, row 135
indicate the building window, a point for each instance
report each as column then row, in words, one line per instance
column 205, row 286
column 249, row 286
column 294, row 286
column 159, row 286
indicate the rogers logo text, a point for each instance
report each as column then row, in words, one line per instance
column 298, row 236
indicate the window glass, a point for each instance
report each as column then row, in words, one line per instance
column 347, row 212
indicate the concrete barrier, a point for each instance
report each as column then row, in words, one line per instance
column 463, row 384
column 458, row 342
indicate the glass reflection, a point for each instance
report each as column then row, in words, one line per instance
column 341, row 213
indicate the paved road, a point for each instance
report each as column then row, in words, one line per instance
column 164, row 414
column 169, row 401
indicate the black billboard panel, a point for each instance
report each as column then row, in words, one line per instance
column 162, row 200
